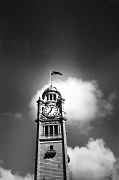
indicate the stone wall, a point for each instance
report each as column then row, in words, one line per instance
column 50, row 168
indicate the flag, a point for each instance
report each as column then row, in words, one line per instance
column 55, row 73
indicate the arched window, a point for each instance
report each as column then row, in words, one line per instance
column 51, row 147
column 56, row 129
column 51, row 97
column 54, row 97
column 51, row 130
column 46, row 130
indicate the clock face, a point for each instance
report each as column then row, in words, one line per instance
column 50, row 111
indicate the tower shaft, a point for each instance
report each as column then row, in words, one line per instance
column 51, row 161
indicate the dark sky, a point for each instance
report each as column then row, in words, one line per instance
column 78, row 38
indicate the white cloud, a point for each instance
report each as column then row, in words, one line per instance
column 84, row 100
column 93, row 162
column 7, row 175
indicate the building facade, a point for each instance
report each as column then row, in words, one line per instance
column 51, row 162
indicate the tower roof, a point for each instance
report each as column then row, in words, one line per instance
column 50, row 89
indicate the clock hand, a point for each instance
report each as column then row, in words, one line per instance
column 50, row 110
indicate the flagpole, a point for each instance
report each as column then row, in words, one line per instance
column 53, row 73
column 50, row 79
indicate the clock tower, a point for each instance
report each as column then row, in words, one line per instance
column 51, row 161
